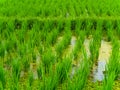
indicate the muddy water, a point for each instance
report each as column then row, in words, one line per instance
column 105, row 51
column 76, row 65
column 86, row 46
column 69, row 49
column 104, row 55
column 98, row 72
column 73, row 41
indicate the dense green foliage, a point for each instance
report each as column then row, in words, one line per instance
column 61, row 8
column 35, row 43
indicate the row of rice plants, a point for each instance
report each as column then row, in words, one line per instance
column 23, row 43
column 95, row 45
column 112, row 67
column 79, row 43
column 61, row 45
column 59, row 8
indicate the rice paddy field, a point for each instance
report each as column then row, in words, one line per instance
column 59, row 45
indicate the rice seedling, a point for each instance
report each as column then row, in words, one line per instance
column 118, row 28
column 51, row 37
column 62, row 69
column 112, row 67
column 79, row 43
column 80, row 78
column 67, row 38
column 30, row 78
column 59, row 49
column 16, row 70
column 48, row 58
column 10, row 26
column 109, row 31
column 87, row 24
column 2, row 49
column 2, row 78
column 64, row 43
column 50, row 82
column 95, row 45
column 40, row 71
column 26, row 64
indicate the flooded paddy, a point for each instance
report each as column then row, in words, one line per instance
column 98, row 70
column 104, row 56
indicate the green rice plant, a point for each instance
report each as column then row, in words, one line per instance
column 87, row 25
column 24, row 25
column 16, row 68
column 20, row 35
column 107, row 28
column 67, row 37
column 10, row 25
column 115, row 57
column 32, row 38
column 28, row 87
column 21, row 50
column 80, row 78
column 36, row 25
column 108, row 84
column 2, row 48
column 30, row 78
column 81, row 37
column 2, row 78
column 79, row 43
column 50, row 82
column 60, row 26
column 110, row 34
column 48, row 58
column 46, row 84
column 112, row 67
column 43, row 35
column 3, row 26
column 11, row 43
column 51, row 37
column 95, row 45
column 99, row 27
column 59, row 49
column 46, row 27
column 8, row 45
column 62, row 69
column 6, row 34
column 33, row 57
column 36, row 39
column 26, row 63
column 77, row 27
column 41, row 48
column 118, row 28
column 64, row 43
column 83, row 24
column 15, row 86
column 40, row 71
